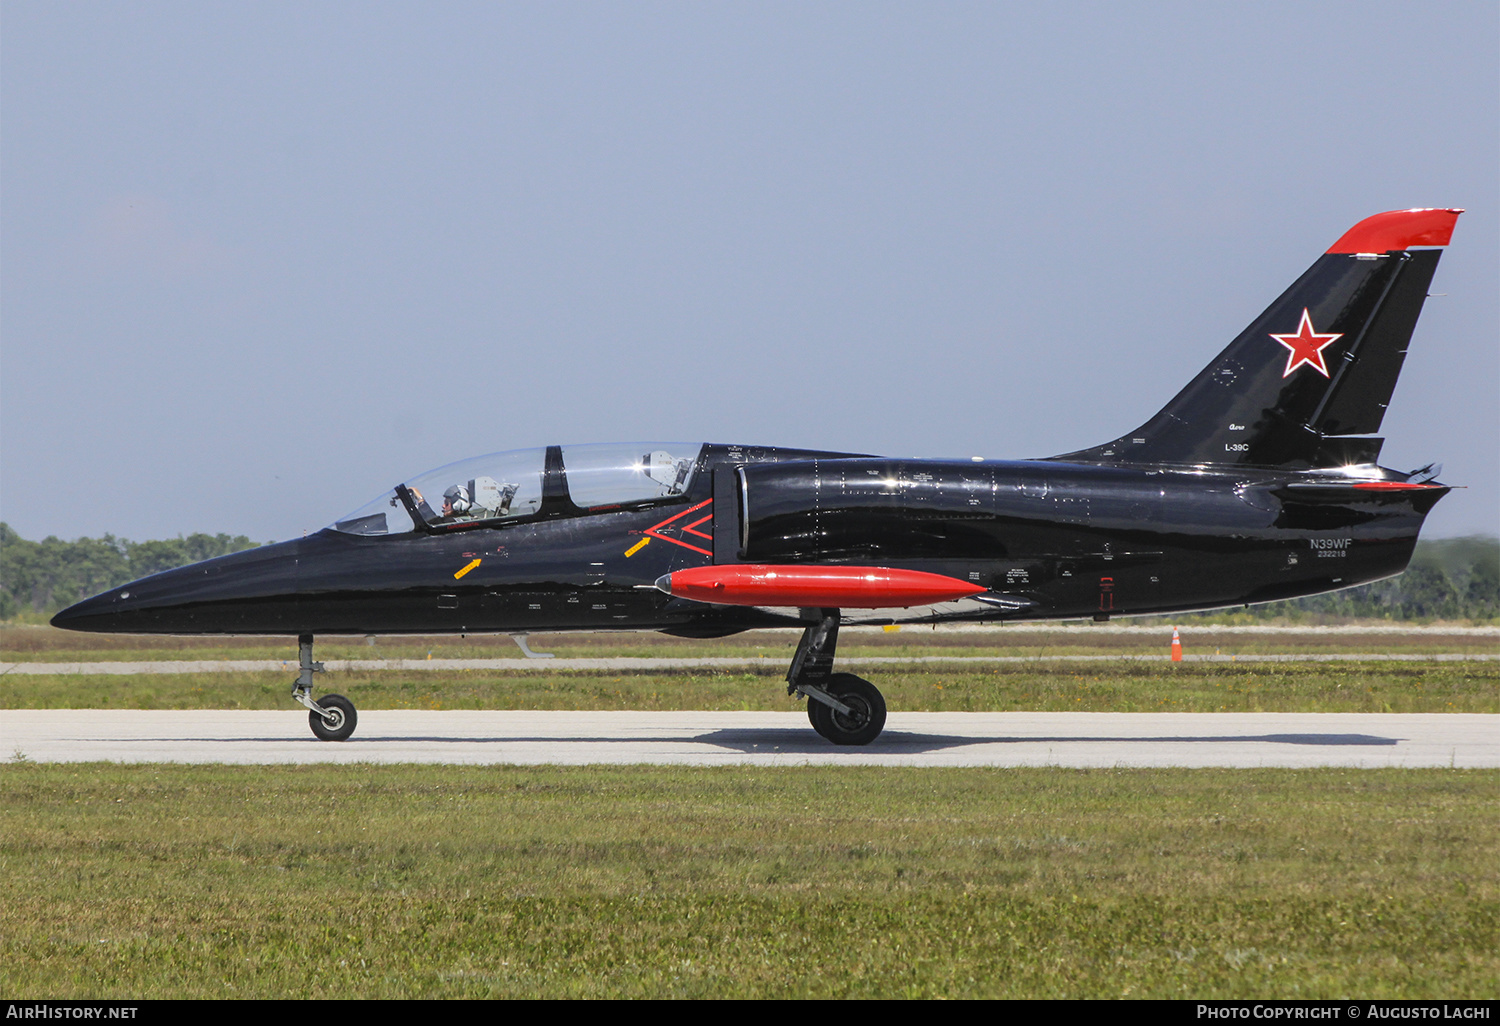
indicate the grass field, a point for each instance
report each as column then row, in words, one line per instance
column 366, row 881
column 32, row 643
column 1046, row 684
column 1087, row 687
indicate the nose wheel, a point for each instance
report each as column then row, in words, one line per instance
column 331, row 717
column 336, row 720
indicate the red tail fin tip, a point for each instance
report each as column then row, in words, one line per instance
column 1399, row 229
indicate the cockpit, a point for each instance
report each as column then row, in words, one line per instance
column 524, row 483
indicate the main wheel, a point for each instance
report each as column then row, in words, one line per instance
column 337, row 723
column 817, row 715
column 866, row 718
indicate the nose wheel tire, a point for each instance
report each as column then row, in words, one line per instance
column 865, row 719
column 336, row 722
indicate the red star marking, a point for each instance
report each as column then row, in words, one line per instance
column 1306, row 346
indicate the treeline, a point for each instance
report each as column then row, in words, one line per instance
column 1448, row 579
column 45, row 576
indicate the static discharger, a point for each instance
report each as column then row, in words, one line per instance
column 848, row 587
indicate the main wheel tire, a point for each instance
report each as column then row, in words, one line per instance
column 338, row 723
column 817, row 715
column 866, row 719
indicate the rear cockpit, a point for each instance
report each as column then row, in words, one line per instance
column 524, row 483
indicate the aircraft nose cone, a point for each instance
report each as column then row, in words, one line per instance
column 146, row 605
column 100, row 613
column 210, row 597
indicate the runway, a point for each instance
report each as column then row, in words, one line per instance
column 1357, row 740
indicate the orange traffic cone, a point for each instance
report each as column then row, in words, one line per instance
column 1176, row 647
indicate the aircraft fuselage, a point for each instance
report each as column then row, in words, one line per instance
column 1045, row 540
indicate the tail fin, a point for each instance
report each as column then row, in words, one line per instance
column 1308, row 381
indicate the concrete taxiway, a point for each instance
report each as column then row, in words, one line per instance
column 1360, row 740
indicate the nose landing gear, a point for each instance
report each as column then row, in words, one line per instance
column 331, row 717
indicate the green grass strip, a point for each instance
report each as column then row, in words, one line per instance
column 1119, row 687
column 426, row 881
column 45, row 644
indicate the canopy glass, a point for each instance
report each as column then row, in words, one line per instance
column 509, row 485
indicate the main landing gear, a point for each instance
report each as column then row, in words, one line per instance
column 332, row 717
column 843, row 708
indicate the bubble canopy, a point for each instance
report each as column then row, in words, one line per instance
column 506, row 486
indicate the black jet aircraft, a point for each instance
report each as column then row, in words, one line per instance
column 1258, row 481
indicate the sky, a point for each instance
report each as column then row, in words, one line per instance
column 260, row 262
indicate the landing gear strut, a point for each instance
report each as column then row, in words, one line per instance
column 843, row 708
column 332, row 717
